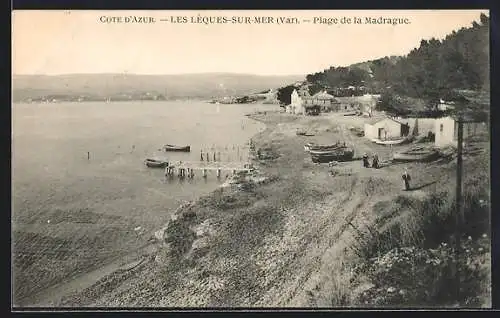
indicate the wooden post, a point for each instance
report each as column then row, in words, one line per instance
column 459, row 206
column 88, row 155
column 204, row 173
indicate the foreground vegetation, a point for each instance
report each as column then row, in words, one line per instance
column 406, row 256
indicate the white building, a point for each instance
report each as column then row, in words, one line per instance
column 447, row 131
column 297, row 103
column 386, row 128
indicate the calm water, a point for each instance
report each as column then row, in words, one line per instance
column 50, row 168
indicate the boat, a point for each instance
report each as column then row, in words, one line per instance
column 312, row 146
column 390, row 141
column 168, row 147
column 155, row 163
column 339, row 154
column 416, row 155
column 304, row 133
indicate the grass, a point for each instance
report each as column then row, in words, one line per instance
column 407, row 255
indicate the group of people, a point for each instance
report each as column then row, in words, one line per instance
column 375, row 164
column 375, row 161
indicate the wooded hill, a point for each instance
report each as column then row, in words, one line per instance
column 460, row 61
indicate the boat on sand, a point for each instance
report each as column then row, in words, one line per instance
column 169, row 147
column 417, row 154
column 312, row 146
column 389, row 141
column 341, row 153
column 304, row 133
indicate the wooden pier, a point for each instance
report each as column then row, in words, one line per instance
column 188, row 168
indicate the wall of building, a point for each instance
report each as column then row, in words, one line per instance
column 425, row 125
column 445, row 131
column 391, row 128
column 296, row 103
column 371, row 132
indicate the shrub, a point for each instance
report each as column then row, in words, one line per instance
column 414, row 276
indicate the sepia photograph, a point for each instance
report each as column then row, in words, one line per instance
column 323, row 159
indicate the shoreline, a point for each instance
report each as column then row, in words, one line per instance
column 109, row 268
column 288, row 241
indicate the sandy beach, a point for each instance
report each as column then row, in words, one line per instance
column 289, row 240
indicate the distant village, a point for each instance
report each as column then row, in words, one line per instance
column 266, row 97
column 55, row 98
column 384, row 127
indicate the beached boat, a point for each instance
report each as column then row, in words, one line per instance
column 312, row 146
column 155, row 163
column 416, row 155
column 168, row 147
column 389, row 142
column 304, row 133
column 339, row 154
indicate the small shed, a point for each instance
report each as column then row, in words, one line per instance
column 386, row 128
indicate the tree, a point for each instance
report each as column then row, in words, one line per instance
column 315, row 88
column 284, row 94
column 460, row 61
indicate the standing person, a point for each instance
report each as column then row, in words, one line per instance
column 366, row 164
column 375, row 161
column 406, row 178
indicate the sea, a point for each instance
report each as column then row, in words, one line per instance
column 93, row 153
column 79, row 181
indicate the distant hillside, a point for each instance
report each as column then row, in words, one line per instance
column 459, row 61
column 369, row 66
column 436, row 69
column 168, row 86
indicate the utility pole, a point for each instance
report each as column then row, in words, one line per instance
column 459, row 206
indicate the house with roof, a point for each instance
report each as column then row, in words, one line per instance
column 325, row 101
column 473, row 108
column 447, row 130
column 386, row 128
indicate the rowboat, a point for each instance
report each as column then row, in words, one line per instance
column 168, row 147
column 389, row 142
column 155, row 163
column 303, row 133
column 416, row 155
column 311, row 146
column 339, row 154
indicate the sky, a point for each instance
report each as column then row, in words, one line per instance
column 63, row 42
